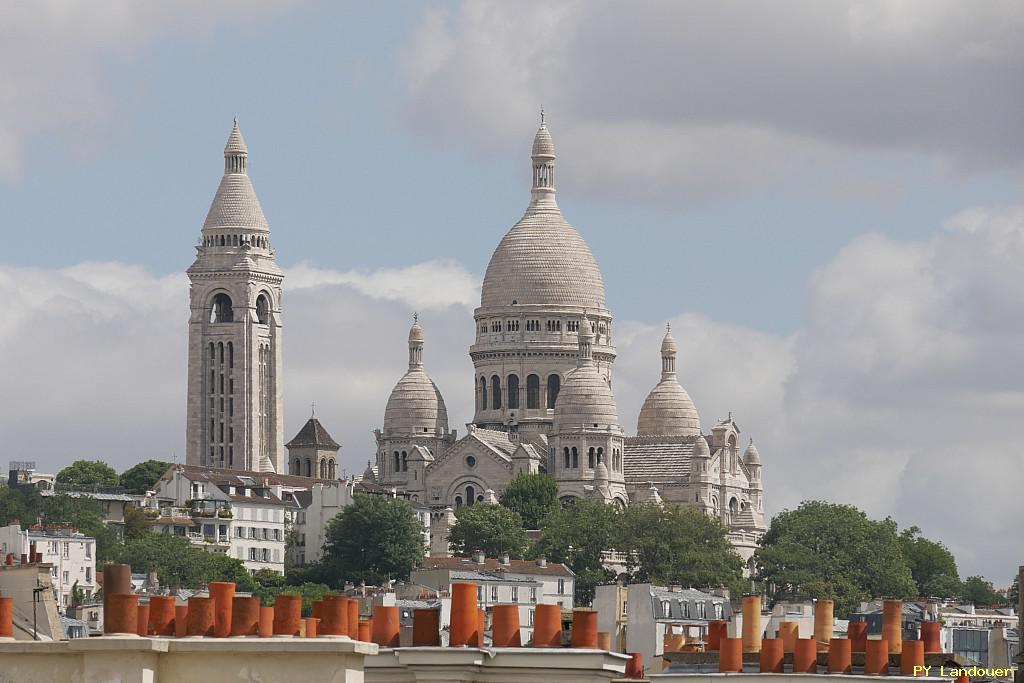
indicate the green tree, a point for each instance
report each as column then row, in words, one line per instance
column 87, row 475
column 981, row 592
column 179, row 564
column 87, row 516
column 373, row 539
column 942, row 586
column 492, row 528
column 268, row 591
column 826, row 550
column 23, row 503
column 576, row 535
column 532, row 496
column 1013, row 595
column 927, row 560
column 135, row 523
column 142, row 477
column 672, row 544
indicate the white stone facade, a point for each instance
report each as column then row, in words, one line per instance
column 234, row 411
column 71, row 557
column 542, row 357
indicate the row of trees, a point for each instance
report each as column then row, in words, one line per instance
column 827, row 550
column 96, row 475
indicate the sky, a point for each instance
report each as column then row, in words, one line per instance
column 825, row 199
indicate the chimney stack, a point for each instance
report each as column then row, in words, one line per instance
column 478, row 556
column 505, row 560
column 542, row 561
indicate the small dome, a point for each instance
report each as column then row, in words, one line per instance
column 701, row 448
column 415, row 407
column 751, row 456
column 668, row 411
column 601, row 472
column 585, row 400
column 416, row 331
column 543, row 145
column 668, row 344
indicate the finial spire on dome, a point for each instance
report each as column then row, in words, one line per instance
column 543, row 156
column 235, row 151
column 668, row 354
column 415, row 344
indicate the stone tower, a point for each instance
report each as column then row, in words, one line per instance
column 234, row 334
column 541, row 278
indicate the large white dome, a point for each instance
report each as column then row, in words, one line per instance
column 542, row 259
column 415, row 407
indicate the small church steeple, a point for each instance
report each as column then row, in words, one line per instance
column 415, row 344
column 543, row 157
column 236, row 154
column 668, row 354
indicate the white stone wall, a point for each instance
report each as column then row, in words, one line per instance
column 71, row 558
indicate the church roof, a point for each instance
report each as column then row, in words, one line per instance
column 668, row 410
column 647, row 460
column 313, row 434
column 235, row 205
column 542, row 259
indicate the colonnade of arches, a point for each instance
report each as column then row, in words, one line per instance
column 325, row 468
column 490, row 394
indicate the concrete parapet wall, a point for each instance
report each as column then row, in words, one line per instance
column 494, row 665
column 131, row 659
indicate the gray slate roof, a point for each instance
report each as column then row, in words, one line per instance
column 313, row 434
column 646, row 460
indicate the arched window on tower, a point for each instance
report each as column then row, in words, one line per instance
column 600, row 456
column 398, row 463
column 734, row 509
column 221, row 311
column 309, row 467
column 566, row 460
column 405, row 461
column 590, row 458
column 483, row 393
column 532, row 392
column 554, row 384
column 262, row 309
column 323, row 469
column 470, row 495
column 513, row 391
column 575, row 458
column 495, row 392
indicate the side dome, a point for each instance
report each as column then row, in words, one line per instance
column 585, row 399
column 668, row 409
column 542, row 259
column 415, row 406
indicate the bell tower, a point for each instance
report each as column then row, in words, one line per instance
column 234, row 412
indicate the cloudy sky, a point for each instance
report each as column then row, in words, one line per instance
column 826, row 200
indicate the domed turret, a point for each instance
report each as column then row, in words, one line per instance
column 585, row 401
column 415, row 407
column 668, row 409
column 701, row 448
column 751, row 456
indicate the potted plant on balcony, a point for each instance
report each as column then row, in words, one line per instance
column 224, row 513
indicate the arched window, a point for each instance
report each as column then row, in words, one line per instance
column 398, row 462
column 733, row 509
column 332, row 470
column 590, row 458
column 495, row 392
column 470, row 495
column 263, row 309
column 513, row 391
column 568, row 462
column 231, row 355
column 295, row 467
column 575, row 458
column 309, row 467
column 323, row 469
column 483, row 393
column 458, row 501
column 221, row 311
column 554, row 383
column 600, row 456
column 405, row 461
column 532, row 392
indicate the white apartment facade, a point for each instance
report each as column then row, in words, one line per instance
column 71, row 557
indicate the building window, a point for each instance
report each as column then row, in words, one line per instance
column 532, row 392
column 513, row 391
column 483, row 393
column 531, row 617
column 262, row 309
column 470, row 461
column 495, row 392
column 566, row 457
column 575, row 458
column 533, row 596
column 221, row 311
column 718, row 610
column 554, row 383
column 590, row 458
column 515, row 593
column 494, row 593
column 561, row 586
column 702, row 610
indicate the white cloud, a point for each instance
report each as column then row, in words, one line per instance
column 902, row 393
column 53, row 52
column 682, row 101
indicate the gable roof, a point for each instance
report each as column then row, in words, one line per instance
column 313, row 435
column 661, row 460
